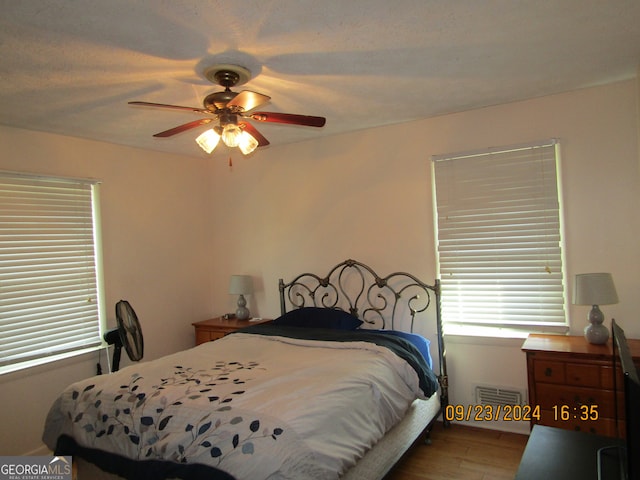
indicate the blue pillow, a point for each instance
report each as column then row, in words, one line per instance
column 317, row 317
column 421, row 343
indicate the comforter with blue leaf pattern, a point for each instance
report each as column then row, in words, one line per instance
column 247, row 406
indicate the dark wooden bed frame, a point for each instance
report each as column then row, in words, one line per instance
column 380, row 302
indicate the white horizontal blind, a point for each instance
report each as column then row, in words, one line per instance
column 48, row 279
column 499, row 243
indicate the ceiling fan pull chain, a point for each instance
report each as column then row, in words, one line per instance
column 230, row 162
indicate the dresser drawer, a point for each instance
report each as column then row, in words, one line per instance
column 549, row 396
column 549, row 371
column 565, row 372
column 583, row 375
column 602, row 426
column 570, row 373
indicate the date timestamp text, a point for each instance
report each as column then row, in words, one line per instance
column 492, row 413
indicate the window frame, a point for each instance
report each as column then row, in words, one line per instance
column 475, row 325
column 94, row 315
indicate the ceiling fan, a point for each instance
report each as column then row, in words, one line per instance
column 230, row 109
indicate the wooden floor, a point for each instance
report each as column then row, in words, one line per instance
column 461, row 452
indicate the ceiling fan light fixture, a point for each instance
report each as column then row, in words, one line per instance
column 231, row 135
column 208, row 140
column 247, row 143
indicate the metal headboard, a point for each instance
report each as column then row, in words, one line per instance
column 380, row 302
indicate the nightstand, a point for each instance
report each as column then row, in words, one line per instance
column 567, row 376
column 215, row 328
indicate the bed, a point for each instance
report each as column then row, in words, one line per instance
column 336, row 387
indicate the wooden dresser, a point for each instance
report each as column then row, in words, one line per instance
column 215, row 328
column 572, row 383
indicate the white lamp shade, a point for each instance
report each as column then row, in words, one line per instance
column 208, row 140
column 247, row 143
column 231, row 135
column 240, row 285
column 594, row 289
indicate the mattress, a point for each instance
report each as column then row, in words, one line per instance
column 374, row 465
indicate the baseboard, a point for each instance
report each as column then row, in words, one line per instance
column 502, row 426
column 41, row 451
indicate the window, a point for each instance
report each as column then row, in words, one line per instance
column 50, row 301
column 499, row 240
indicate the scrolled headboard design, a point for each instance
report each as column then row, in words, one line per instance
column 356, row 288
column 380, row 302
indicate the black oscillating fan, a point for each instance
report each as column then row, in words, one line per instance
column 128, row 334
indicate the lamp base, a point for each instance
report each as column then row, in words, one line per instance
column 595, row 332
column 242, row 312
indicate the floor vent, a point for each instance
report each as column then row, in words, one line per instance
column 498, row 396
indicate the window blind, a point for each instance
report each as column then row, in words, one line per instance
column 499, row 240
column 49, row 300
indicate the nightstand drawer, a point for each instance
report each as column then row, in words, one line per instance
column 216, row 328
column 203, row 336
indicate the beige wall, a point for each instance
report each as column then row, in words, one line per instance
column 156, row 212
column 307, row 206
column 367, row 195
column 363, row 195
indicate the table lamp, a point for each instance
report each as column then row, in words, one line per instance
column 595, row 289
column 241, row 285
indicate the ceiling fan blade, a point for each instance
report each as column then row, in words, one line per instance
column 255, row 134
column 289, row 118
column 174, row 107
column 183, row 128
column 248, row 100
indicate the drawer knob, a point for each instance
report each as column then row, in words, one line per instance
column 548, row 372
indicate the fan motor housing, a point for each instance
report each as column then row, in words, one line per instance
column 227, row 76
column 218, row 100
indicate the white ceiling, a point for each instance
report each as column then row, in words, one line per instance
column 70, row 67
